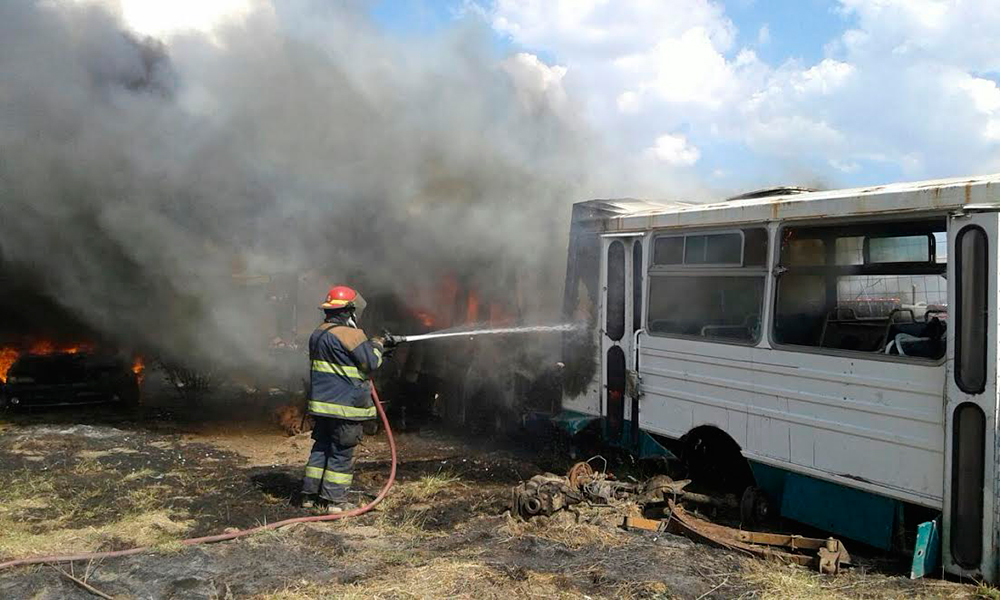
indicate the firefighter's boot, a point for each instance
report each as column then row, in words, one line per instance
column 335, row 508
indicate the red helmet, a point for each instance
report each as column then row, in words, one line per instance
column 340, row 297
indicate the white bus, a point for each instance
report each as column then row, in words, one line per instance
column 835, row 350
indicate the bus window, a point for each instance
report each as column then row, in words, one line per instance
column 715, row 293
column 669, row 250
column 615, row 326
column 713, row 307
column 968, row 463
column 973, row 304
column 875, row 288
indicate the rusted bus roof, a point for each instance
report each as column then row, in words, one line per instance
column 915, row 197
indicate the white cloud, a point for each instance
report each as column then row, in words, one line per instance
column 675, row 150
column 764, row 35
column 910, row 89
column 984, row 94
column 536, row 82
column 793, row 136
column 846, row 167
column 628, row 102
column 685, row 69
column 603, row 28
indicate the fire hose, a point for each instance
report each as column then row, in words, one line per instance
column 57, row 558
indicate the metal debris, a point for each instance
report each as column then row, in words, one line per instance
column 543, row 495
column 549, row 493
column 826, row 555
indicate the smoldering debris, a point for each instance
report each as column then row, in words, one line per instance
column 139, row 179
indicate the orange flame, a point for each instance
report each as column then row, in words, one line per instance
column 7, row 358
column 472, row 308
column 139, row 368
column 42, row 347
column 46, row 347
column 425, row 318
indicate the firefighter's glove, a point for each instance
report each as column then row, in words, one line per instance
column 389, row 341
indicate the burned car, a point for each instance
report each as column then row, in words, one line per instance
column 70, row 378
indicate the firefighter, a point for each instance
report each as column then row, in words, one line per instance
column 342, row 359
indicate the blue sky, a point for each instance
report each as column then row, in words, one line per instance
column 799, row 28
column 746, row 92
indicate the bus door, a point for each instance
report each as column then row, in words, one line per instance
column 621, row 314
column 969, row 533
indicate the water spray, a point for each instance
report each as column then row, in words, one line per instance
column 393, row 339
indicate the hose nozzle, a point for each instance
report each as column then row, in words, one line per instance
column 391, row 341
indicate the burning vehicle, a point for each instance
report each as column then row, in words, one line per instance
column 46, row 375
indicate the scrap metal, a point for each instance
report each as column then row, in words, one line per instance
column 549, row 493
column 826, row 555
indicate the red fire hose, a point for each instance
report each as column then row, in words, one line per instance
column 57, row 558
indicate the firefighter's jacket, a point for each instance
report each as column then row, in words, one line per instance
column 342, row 359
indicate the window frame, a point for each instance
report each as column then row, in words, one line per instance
column 624, row 292
column 708, row 270
column 931, row 250
column 851, row 224
column 960, row 316
column 684, row 264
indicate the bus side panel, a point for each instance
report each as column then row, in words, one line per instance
column 869, row 424
column 582, row 305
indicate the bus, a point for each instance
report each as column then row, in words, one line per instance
column 835, row 352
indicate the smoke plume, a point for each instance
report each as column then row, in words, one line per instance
column 137, row 176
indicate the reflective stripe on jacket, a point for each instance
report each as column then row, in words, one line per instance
column 342, row 358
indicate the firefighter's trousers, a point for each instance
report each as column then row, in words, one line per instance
column 330, row 469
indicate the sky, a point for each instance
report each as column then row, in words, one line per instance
column 737, row 94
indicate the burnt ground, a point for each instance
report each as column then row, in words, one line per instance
column 98, row 479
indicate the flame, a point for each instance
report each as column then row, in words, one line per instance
column 472, row 307
column 7, row 358
column 139, row 368
column 425, row 318
column 47, row 347
column 43, row 347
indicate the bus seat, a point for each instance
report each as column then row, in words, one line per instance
column 918, row 339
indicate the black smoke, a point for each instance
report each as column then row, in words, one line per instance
column 137, row 176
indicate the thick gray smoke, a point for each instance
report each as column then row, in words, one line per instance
column 133, row 175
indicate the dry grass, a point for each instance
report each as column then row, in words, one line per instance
column 36, row 519
column 563, row 528
column 778, row 581
column 149, row 498
column 430, row 486
column 405, row 511
column 149, row 529
column 443, row 578
column 774, row 580
column 140, row 474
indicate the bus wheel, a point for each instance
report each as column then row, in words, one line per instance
column 714, row 460
column 755, row 507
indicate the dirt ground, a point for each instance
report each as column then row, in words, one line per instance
column 99, row 479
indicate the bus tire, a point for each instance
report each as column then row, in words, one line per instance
column 755, row 507
column 714, row 460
